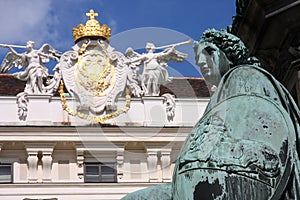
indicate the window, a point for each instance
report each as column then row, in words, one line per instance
column 5, row 173
column 100, row 173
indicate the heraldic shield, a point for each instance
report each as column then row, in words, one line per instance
column 94, row 74
column 232, row 161
column 95, row 77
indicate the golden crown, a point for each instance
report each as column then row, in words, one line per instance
column 92, row 28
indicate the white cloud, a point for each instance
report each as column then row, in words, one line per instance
column 26, row 20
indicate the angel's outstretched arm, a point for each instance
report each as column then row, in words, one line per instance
column 48, row 56
column 167, row 52
column 134, row 60
column 14, row 51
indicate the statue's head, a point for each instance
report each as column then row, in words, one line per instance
column 217, row 52
column 30, row 45
column 129, row 52
column 150, row 47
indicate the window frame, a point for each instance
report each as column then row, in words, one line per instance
column 11, row 171
column 100, row 174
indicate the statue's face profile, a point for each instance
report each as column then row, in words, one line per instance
column 212, row 62
column 150, row 47
column 30, row 45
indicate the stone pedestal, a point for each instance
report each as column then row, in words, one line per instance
column 155, row 111
column 39, row 109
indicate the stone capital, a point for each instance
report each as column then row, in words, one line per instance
column 45, row 148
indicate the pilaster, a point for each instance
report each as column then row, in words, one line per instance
column 32, row 160
column 80, row 162
column 33, row 150
column 152, row 164
column 166, row 165
column 47, row 166
column 120, row 162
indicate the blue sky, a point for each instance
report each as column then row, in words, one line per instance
column 133, row 23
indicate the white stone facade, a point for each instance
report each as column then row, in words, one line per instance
column 48, row 154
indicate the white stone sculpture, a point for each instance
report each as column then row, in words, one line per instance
column 169, row 101
column 155, row 73
column 35, row 72
column 134, row 76
column 52, row 84
column 22, row 102
column 33, row 61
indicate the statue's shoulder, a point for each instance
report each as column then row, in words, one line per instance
column 251, row 81
column 157, row 192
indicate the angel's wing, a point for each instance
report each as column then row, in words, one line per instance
column 173, row 55
column 133, row 55
column 48, row 50
column 11, row 60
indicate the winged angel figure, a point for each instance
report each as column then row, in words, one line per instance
column 35, row 72
column 33, row 61
column 155, row 73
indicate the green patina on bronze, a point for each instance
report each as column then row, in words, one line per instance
column 158, row 192
column 245, row 146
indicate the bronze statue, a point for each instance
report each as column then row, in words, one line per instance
column 245, row 146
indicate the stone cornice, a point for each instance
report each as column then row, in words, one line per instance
column 93, row 134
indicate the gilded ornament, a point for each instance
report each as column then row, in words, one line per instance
column 92, row 28
column 93, row 119
column 95, row 73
